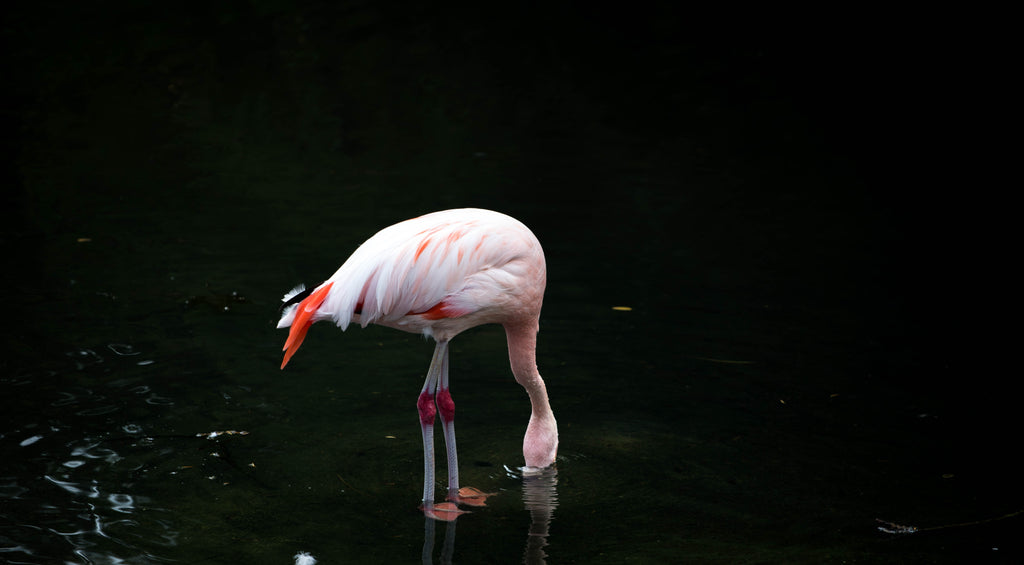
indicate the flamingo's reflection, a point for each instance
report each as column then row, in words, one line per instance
column 540, row 497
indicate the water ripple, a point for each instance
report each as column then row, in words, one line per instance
column 73, row 497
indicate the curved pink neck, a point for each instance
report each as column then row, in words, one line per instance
column 541, row 441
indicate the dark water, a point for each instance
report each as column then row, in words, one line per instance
column 807, row 347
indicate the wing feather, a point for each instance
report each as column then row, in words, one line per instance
column 413, row 266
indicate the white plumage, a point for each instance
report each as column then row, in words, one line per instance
column 469, row 259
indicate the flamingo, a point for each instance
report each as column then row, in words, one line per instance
column 439, row 275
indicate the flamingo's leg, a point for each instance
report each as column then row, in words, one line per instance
column 427, row 409
column 435, row 397
column 446, row 407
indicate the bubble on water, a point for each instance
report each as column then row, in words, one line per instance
column 122, row 502
column 122, row 349
column 66, row 485
column 159, row 400
column 84, row 357
column 93, row 451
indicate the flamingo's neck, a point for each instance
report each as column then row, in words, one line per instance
column 541, row 442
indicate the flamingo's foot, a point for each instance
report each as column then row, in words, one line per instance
column 442, row 512
column 471, row 496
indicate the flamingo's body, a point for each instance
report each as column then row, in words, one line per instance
column 438, row 275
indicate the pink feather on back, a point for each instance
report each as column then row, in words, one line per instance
column 422, row 274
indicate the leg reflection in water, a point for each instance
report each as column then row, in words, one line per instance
column 540, row 497
column 447, row 550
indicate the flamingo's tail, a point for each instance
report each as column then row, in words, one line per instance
column 301, row 320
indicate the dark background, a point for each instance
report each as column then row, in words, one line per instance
column 831, row 201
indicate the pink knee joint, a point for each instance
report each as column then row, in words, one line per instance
column 425, row 406
column 446, row 405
